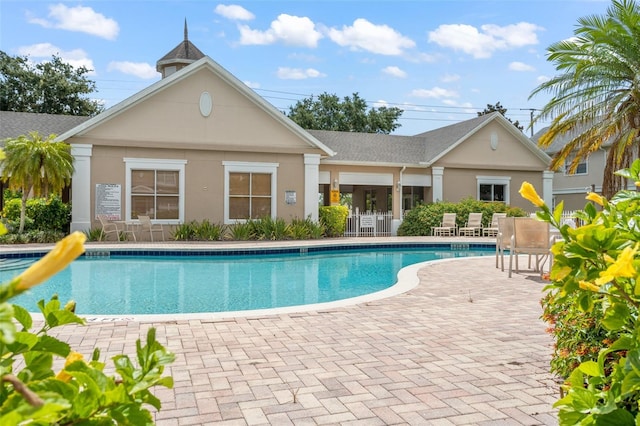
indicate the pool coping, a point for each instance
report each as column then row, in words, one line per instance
column 407, row 277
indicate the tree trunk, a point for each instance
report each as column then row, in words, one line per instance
column 23, row 209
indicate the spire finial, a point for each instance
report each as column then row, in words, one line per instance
column 186, row 32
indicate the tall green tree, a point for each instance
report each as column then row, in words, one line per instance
column 502, row 110
column 33, row 165
column 596, row 95
column 52, row 87
column 350, row 114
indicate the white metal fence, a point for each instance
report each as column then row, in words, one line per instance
column 369, row 224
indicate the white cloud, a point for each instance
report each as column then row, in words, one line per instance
column 138, row 69
column 79, row 18
column 290, row 30
column 436, row 92
column 381, row 103
column 395, row 72
column 363, row 35
column 450, row 78
column 484, row 42
column 298, row 73
column 252, row 84
column 520, row 66
column 76, row 57
column 234, row 12
column 543, row 79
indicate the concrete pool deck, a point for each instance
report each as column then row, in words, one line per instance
column 464, row 346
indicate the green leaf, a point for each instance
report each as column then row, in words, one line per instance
column 131, row 414
column 630, row 383
column 39, row 364
column 7, row 326
column 56, row 318
column 23, row 317
column 590, row 368
column 51, row 344
column 23, row 342
column 583, row 400
column 616, row 316
column 619, row 417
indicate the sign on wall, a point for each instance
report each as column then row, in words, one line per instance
column 290, row 197
column 109, row 200
column 335, row 196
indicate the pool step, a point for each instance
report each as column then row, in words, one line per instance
column 10, row 264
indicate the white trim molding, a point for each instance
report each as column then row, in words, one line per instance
column 250, row 167
column 81, row 187
column 495, row 180
column 155, row 164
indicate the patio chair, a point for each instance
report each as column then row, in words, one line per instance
column 532, row 237
column 473, row 227
column 108, row 227
column 447, row 227
column 147, row 226
column 503, row 238
column 492, row 229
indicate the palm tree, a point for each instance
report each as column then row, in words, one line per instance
column 36, row 165
column 596, row 96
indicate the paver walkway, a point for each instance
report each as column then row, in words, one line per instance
column 466, row 346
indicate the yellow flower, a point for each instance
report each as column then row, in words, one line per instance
column 598, row 199
column 638, row 183
column 622, row 267
column 586, row 285
column 529, row 192
column 64, row 252
column 71, row 358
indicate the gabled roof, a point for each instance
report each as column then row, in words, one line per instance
column 14, row 124
column 204, row 63
column 421, row 150
column 449, row 137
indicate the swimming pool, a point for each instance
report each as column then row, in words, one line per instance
column 125, row 285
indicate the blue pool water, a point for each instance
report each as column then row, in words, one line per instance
column 126, row 285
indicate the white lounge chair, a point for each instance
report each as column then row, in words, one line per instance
column 492, row 229
column 108, row 227
column 447, row 227
column 473, row 227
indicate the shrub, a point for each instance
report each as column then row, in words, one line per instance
column 596, row 273
column 198, row 231
column 42, row 214
column 419, row 220
column 241, row 231
column 267, row 228
column 81, row 392
column 304, row 229
column 334, row 220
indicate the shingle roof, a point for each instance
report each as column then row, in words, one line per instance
column 420, row 149
column 14, row 124
column 372, row 147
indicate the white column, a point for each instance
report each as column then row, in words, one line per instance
column 437, row 174
column 311, row 183
column 81, row 187
column 547, row 187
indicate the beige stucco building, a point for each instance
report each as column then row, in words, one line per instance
column 200, row 144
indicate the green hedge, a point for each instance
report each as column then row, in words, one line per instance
column 419, row 220
column 43, row 214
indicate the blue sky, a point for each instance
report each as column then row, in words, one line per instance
column 439, row 61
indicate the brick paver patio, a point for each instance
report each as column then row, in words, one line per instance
column 466, row 346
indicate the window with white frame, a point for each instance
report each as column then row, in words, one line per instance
column 155, row 188
column 250, row 190
column 493, row 188
column 580, row 170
